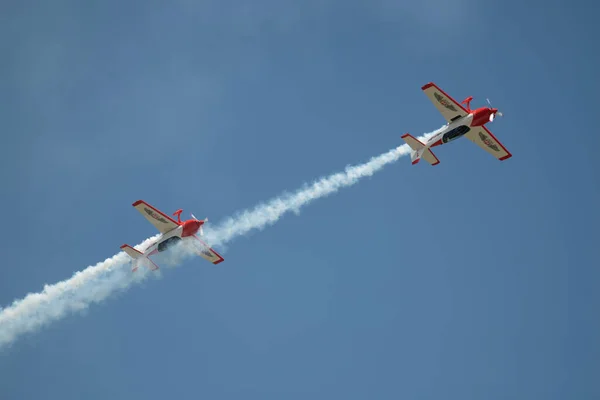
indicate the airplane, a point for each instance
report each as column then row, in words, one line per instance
column 461, row 121
column 172, row 232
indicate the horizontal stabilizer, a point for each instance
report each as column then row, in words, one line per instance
column 138, row 257
column 131, row 252
column 419, row 150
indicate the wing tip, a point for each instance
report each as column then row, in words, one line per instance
column 508, row 153
column 220, row 260
column 138, row 202
column 427, row 85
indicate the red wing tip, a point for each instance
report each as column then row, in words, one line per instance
column 416, row 161
column 506, row 157
column 220, row 261
column 427, row 86
column 124, row 246
column 405, row 135
column 435, row 163
column 137, row 202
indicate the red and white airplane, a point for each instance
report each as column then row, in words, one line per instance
column 461, row 121
column 172, row 232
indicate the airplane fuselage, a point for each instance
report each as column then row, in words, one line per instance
column 460, row 126
column 172, row 237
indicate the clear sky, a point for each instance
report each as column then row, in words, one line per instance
column 474, row 279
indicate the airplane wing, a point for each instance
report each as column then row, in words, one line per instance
column 160, row 220
column 445, row 104
column 483, row 138
column 207, row 253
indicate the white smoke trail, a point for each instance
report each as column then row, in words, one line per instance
column 269, row 213
column 92, row 285
column 96, row 283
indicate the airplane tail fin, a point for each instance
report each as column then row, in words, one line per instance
column 138, row 257
column 419, row 150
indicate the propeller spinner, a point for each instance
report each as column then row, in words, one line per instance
column 493, row 115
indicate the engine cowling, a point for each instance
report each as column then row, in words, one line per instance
column 482, row 115
column 190, row 227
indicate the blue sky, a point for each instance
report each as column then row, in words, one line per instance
column 472, row 279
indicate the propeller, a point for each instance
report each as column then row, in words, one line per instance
column 205, row 221
column 492, row 116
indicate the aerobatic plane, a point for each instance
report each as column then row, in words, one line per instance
column 461, row 121
column 172, row 232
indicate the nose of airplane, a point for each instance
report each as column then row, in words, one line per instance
column 191, row 227
column 493, row 113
